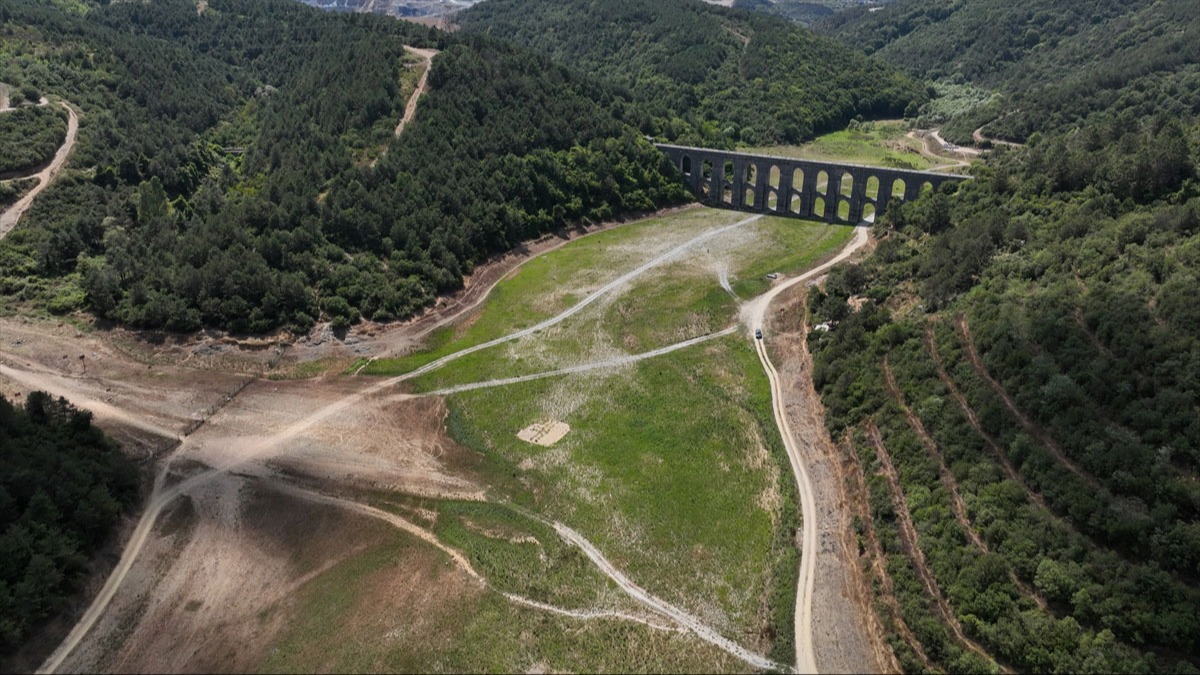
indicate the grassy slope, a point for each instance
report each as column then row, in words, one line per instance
column 874, row 143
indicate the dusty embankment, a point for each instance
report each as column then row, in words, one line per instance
column 838, row 603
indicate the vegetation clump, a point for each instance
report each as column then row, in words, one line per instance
column 223, row 185
column 29, row 137
column 63, row 485
column 1056, row 64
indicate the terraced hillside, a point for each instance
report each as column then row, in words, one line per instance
column 1016, row 381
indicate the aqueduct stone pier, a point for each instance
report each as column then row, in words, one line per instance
column 796, row 187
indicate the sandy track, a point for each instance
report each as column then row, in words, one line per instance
column 258, row 448
column 846, row 635
column 480, row 283
column 102, row 410
column 754, row 314
column 8, row 219
column 978, row 137
column 582, row 304
column 410, row 109
column 957, row 163
column 675, row 615
column 660, row 606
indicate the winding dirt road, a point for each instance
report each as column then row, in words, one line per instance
column 582, row 304
column 956, row 163
column 660, row 606
column 9, row 218
column 584, row 367
column 754, row 315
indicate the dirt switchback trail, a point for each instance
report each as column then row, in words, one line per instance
column 9, row 218
column 957, row 163
column 754, row 314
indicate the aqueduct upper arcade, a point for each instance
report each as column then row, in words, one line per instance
column 839, row 193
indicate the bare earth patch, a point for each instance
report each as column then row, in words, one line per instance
column 846, row 640
column 544, row 433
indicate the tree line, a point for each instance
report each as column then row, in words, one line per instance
column 63, row 486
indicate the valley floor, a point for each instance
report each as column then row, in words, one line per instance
column 385, row 514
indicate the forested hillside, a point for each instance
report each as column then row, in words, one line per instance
column 1056, row 63
column 63, row 485
column 706, row 74
column 1021, row 398
column 236, row 167
column 29, row 136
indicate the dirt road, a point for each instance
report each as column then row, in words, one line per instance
column 645, row 598
column 978, row 137
column 9, row 218
column 956, row 163
column 754, row 315
column 45, row 382
column 410, row 109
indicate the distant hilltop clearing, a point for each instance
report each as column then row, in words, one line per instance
column 402, row 8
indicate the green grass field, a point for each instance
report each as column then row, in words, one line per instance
column 673, row 468
column 678, row 300
column 400, row 607
column 872, row 143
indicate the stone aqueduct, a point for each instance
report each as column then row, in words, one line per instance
column 792, row 187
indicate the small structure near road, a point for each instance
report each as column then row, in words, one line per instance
column 544, row 433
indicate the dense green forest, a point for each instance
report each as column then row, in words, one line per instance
column 63, row 485
column 1072, row 268
column 29, row 136
column 1054, row 63
column 157, row 225
column 706, row 74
